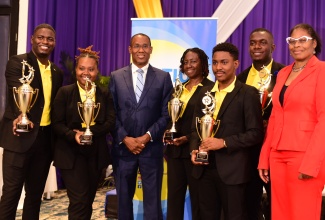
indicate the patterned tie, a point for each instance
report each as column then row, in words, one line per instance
column 139, row 84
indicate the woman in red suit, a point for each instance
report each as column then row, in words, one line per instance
column 294, row 148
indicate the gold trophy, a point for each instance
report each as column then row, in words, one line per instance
column 24, row 99
column 263, row 84
column 174, row 109
column 206, row 126
column 87, row 112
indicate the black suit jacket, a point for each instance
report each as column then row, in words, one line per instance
column 241, row 126
column 183, row 124
column 276, row 67
column 66, row 118
column 13, row 74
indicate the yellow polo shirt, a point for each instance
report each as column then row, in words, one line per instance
column 186, row 95
column 253, row 76
column 220, row 95
column 47, row 90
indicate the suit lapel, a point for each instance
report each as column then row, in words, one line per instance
column 32, row 60
column 309, row 69
column 54, row 80
column 228, row 99
column 76, row 98
column 274, row 72
column 150, row 78
column 127, row 74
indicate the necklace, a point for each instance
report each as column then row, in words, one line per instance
column 297, row 69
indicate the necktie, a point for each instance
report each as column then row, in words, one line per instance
column 139, row 84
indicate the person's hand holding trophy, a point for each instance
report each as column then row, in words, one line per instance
column 24, row 98
column 206, row 126
column 265, row 96
column 174, row 108
column 87, row 113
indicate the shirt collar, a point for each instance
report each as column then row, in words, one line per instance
column 268, row 67
column 228, row 89
column 43, row 66
column 135, row 68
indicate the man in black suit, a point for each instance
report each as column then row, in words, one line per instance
column 261, row 47
column 27, row 156
column 223, row 180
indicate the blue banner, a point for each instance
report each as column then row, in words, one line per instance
column 170, row 37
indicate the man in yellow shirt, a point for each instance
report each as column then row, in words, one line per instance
column 27, row 156
column 262, row 75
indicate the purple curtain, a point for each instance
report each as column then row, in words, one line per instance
column 107, row 25
column 80, row 23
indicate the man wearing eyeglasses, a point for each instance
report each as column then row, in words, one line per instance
column 141, row 93
column 262, row 75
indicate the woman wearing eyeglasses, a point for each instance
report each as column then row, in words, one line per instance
column 294, row 149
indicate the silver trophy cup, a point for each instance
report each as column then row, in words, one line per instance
column 87, row 112
column 206, row 126
column 174, row 109
column 25, row 97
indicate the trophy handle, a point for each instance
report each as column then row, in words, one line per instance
column 197, row 130
column 14, row 90
column 34, row 92
column 79, row 105
column 96, row 106
column 217, row 124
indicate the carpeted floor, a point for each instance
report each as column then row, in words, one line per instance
column 57, row 207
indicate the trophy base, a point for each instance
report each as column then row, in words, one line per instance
column 86, row 139
column 21, row 128
column 169, row 136
column 202, row 157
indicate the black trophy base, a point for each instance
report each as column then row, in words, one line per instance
column 202, row 157
column 21, row 128
column 86, row 139
column 170, row 136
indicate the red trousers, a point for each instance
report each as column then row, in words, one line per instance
column 294, row 199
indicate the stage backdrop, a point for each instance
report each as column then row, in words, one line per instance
column 170, row 37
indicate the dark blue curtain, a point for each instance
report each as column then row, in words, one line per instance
column 107, row 25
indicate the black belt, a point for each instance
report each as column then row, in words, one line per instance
column 43, row 128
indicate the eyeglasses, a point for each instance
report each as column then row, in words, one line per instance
column 301, row 40
column 137, row 47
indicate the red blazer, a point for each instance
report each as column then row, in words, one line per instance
column 299, row 125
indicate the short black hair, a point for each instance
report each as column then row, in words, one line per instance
column 142, row 34
column 203, row 58
column 262, row 30
column 44, row 25
column 312, row 33
column 227, row 47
